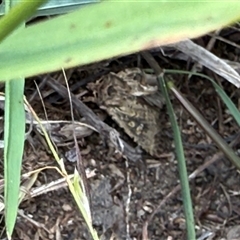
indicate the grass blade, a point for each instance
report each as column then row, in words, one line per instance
column 17, row 15
column 14, row 134
column 182, row 169
column 87, row 35
column 74, row 186
column 227, row 101
column 228, row 151
column 14, row 116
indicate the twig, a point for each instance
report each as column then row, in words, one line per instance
column 92, row 119
column 128, row 201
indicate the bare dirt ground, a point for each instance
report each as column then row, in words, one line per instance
column 129, row 199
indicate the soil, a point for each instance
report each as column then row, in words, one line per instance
column 126, row 193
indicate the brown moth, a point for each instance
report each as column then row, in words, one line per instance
column 131, row 97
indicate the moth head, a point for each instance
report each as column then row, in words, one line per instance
column 140, row 83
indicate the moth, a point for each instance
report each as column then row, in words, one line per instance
column 131, row 97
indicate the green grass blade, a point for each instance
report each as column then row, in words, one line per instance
column 14, row 116
column 228, row 151
column 182, row 169
column 17, row 15
column 228, row 102
column 74, row 186
column 230, row 105
column 14, row 134
column 108, row 29
column 82, row 202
